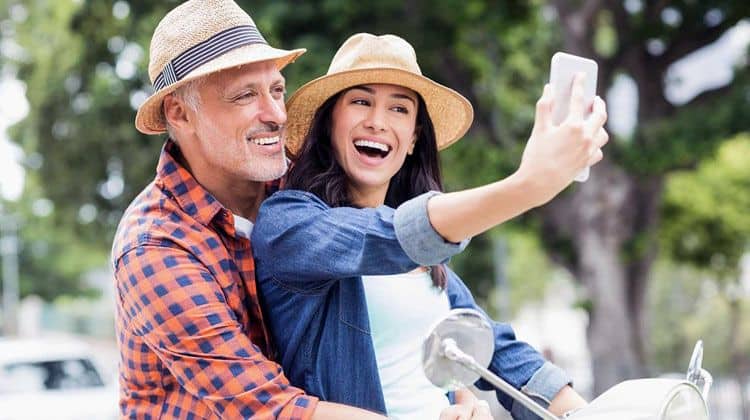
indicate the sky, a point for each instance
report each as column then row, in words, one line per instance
column 689, row 75
column 13, row 108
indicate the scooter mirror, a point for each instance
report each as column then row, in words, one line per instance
column 696, row 375
column 474, row 333
column 696, row 362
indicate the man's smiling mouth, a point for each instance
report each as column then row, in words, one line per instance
column 266, row 141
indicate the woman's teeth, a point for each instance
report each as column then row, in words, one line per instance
column 265, row 141
column 373, row 145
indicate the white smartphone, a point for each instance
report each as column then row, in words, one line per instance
column 563, row 68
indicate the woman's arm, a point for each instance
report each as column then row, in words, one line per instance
column 566, row 400
column 299, row 238
column 554, row 155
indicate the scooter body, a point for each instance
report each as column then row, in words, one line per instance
column 461, row 345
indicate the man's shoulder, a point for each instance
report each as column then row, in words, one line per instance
column 152, row 218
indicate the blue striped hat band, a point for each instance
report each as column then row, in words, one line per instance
column 206, row 51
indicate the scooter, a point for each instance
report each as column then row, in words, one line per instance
column 460, row 346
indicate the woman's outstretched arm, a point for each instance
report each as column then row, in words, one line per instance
column 554, row 155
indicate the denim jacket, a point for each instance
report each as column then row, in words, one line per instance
column 309, row 258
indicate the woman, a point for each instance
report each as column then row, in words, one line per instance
column 350, row 265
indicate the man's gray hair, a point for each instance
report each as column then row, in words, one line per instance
column 187, row 93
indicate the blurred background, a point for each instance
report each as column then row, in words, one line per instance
column 614, row 279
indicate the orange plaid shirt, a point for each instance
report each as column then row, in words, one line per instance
column 189, row 325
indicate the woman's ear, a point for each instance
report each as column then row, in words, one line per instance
column 413, row 143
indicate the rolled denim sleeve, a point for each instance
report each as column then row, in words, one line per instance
column 542, row 387
column 421, row 242
column 300, row 239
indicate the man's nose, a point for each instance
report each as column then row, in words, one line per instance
column 272, row 110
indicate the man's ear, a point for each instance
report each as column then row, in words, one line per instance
column 175, row 112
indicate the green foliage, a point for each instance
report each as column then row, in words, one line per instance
column 85, row 153
column 706, row 218
column 692, row 134
column 525, row 268
column 528, row 267
column 685, row 306
column 706, row 229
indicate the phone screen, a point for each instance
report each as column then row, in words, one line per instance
column 563, row 68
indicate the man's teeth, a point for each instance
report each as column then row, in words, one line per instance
column 266, row 141
column 371, row 144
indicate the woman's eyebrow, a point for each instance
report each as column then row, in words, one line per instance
column 403, row 96
column 371, row 91
column 365, row 88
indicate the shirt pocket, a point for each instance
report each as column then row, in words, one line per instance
column 353, row 306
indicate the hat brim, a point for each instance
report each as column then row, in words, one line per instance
column 450, row 112
column 150, row 118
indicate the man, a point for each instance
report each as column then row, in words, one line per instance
column 189, row 325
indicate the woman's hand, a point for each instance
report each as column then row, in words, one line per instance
column 566, row 400
column 555, row 154
column 467, row 407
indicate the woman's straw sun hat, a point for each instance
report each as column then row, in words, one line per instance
column 368, row 59
column 197, row 38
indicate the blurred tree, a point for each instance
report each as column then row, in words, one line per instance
column 85, row 66
column 685, row 304
column 69, row 205
column 86, row 74
column 707, row 225
column 610, row 222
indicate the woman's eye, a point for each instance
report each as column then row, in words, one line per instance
column 361, row 102
column 401, row 109
column 280, row 90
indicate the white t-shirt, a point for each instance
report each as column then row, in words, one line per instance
column 243, row 227
column 402, row 309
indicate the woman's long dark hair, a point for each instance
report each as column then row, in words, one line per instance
column 316, row 170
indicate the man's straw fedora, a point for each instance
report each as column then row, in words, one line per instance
column 368, row 59
column 195, row 39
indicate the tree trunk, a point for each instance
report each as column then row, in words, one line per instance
column 597, row 242
column 611, row 212
column 740, row 363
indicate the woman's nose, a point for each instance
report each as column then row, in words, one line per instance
column 375, row 119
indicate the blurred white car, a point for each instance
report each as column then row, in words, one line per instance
column 52, row 379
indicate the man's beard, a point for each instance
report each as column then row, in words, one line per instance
column 263, row 168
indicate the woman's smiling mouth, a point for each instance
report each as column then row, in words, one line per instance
column 372, row 148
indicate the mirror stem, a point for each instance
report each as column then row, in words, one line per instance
column 453, row 352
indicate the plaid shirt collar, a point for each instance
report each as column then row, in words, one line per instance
column 175, row 179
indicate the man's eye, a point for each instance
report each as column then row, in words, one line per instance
column 245, row 95
column 280, row 90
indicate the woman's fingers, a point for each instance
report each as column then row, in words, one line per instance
column 481, row 411
column 577, row 109
column 599, row 110
column 543, row 118
column 601, row 138
column 467, row 407
column 598, row 116
column 457, row 412
column 595, row 157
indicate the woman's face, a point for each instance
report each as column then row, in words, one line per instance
column 373, row 129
